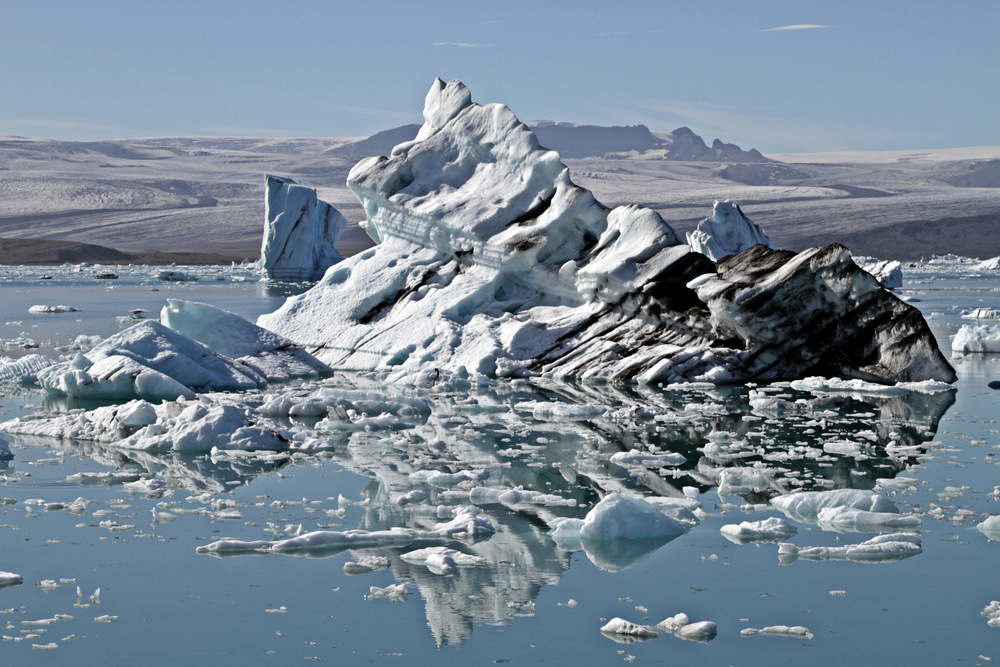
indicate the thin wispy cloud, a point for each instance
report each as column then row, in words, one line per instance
column 465, row 45
column 798, row 26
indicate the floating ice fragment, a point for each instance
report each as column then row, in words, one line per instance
column 779, row 630
column 976, row 338
column 990, row 527
column 619, row 626
column 882, row 549
column 393, row 592
column 646, row 459
column 768, row 530
column 849, row 519
column 992, row 614
column 107, row 618
column 702, row 631
column 53, row 309
column 467, row 522
column 442, row 560
column 9, row 579
column 806, row 506
column 366, row 564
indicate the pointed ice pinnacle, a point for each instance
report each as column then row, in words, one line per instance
column 492, row 261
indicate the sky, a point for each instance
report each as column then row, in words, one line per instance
column 778, row 76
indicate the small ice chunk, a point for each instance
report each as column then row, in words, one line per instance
column 619, row 626
column 702, row 631
column 881, row 549
column 621, row 517
column 976, row 338
column 849, row 519
column 646, row 459
column 394, row 592
column 806, row 506
column 992, row 613
column 779, row 630
column 53, row 309
column 768, row 530
column 9, row 579
column 442, row 560
column 990, row 527
column 674, row 623
column 366, row 564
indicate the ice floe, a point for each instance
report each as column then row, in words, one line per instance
column 882, row 549
column 806, row 506
column 976, row 338
column 200, row 426
column 767, row 530
column 619, row 626
column 53, row 309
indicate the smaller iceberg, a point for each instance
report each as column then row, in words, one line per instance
column 976, row 338
column 728, row 231
column 300, row 232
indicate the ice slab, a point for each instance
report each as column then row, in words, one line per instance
column 300, row 232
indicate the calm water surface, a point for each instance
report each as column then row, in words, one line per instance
column 531, row 601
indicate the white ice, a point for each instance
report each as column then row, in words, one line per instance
column 990, row 527
column 728, row 231
column 976, row 338
column 806, row 506
column 53, row 309
column 619, row 626
column 300, row 232
column 884, row 548
column 766, row 530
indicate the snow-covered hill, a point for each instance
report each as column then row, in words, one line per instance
column 196, row 194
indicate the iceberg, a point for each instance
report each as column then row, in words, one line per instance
column 490, row 261
column 148, row 360
column 888, row 272
column 300, row 232
column 728, row 231
column 807, row 506
column 270, row 355
column 976, row 338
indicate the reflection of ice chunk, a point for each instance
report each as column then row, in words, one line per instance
column 274, row 357
column 441, row 560
column 300, row 232
column 768, row 530
column 806, row 506
column 727, row 232
column 977, row 338
column 881, row 549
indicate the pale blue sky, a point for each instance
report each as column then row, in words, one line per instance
column 866, row 75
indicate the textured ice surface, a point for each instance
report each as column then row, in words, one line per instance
column 271, row 355
column 977, row 338
column 728, row 231
column 300, row 232
column 882, row 549
column 807, row 506
column 888, row 272
column 491, row 261
column 767, row 530
column 23, row 369
column 619, row 626
column 198, row 426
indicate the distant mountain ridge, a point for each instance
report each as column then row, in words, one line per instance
column 573, row 140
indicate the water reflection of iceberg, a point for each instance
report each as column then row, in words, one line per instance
column 555, row 442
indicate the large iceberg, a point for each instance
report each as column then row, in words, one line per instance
column 490, row 260
column 300, row 232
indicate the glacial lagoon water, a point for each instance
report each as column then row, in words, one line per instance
column 123, row 577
